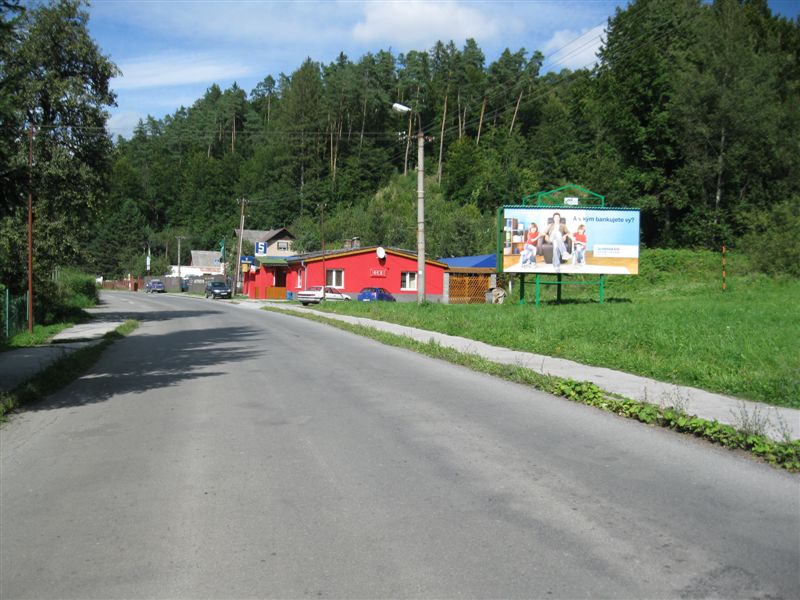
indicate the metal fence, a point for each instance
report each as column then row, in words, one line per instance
column 14, row 314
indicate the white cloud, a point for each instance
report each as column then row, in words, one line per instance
column 420, row 24
column 172, row 70
column 569, row 49
column 123, row 123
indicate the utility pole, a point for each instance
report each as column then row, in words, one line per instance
column 397, row 107
column 420, row 215
column 30, row 229
column 179, row 238
column 242, row 202
column 322, row 237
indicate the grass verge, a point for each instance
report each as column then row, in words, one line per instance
column 782, row 454
column 672, row 323
column 62, row 372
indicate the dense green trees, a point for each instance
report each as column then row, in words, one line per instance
column 692, row 114
column 55, row 80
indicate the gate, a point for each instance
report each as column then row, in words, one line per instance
column 469, row 288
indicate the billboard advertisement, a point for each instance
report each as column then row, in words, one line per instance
column 589, row 240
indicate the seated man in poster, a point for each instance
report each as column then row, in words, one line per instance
column 558, row 234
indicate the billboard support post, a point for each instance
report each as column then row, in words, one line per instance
column 601, row 283
column 522, row 289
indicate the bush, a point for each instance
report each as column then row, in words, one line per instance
column 63, row 299
column 772, row 243
column 78, row 288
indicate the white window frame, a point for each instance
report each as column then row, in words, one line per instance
column 408, row 280
column 300, row 279
column 331, row 278
column 283, row 245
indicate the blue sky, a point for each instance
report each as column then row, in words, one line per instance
column 171, row 51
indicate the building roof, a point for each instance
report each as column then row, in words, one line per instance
column 340, row 252
column 206, row 258
column 481, row 261
column 261, row 235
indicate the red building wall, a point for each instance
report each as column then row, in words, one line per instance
column 361, row 269
column 256, row 280
column 367, row 270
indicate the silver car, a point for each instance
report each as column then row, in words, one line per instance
column 313, row 295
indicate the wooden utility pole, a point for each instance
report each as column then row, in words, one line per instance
column 242, row 202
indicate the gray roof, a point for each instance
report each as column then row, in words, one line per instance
column 261, row 235
column 206, row 258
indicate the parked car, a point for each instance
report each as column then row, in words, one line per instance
column 372, row 294
column 218, row 289
column 155, row 286
column 313, row 295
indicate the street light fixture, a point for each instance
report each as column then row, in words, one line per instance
column 401, row 108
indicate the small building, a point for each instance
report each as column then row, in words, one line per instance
column 348, row 270
column 209, row 262
column 470, row 277
column 271, row 242
column 202, row 263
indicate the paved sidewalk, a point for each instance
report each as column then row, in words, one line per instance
column 18, row 366
column 724, row 409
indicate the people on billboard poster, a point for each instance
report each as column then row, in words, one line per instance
column 558, row 235
column 544, row 240
column 579, row 242
column 528, row 256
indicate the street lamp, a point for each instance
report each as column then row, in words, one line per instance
column 401, row 108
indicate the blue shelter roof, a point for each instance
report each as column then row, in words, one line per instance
column 483, row 261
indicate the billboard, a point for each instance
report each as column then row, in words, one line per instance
column 590, row 240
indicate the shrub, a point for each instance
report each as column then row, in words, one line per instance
column 772, row 243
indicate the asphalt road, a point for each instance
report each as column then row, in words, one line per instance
column 220, row 452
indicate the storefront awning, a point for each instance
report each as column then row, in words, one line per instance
column 271, row 261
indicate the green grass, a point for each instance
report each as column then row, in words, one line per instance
column 62, row 372
column 672, row 323
column 41, row 334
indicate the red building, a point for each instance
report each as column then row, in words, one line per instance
column 348, row 270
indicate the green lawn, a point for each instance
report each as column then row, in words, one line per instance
column 672, row 323
column 41, row 335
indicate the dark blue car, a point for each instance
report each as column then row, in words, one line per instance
column 372, row 294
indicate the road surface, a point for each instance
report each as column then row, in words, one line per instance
column 221, row 452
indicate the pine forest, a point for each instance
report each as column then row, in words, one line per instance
column 692, row 114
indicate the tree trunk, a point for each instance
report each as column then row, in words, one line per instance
column 480, row 121
column 408, row 146
column 441, row 140
column 458, row 112
column 516, row 108
column 363, row 122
